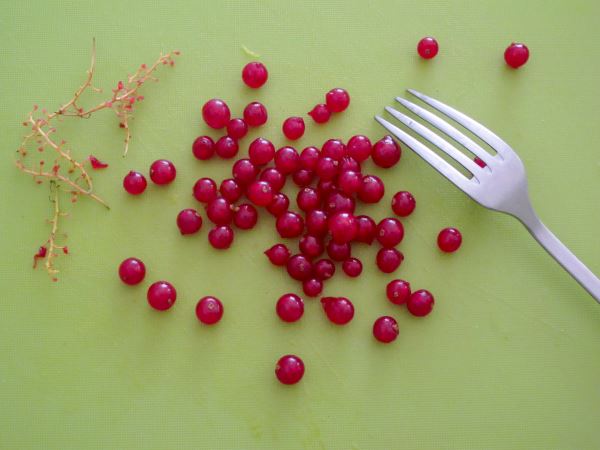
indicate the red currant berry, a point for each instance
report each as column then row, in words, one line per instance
column 308, row 199
column 334, row 149
column 226, row 147
column 309, row 158
column 289, row 369
column 278, row 255
column 390, row 232
column 449, row 240
column 372, row 189
column 255, row 74
column 516, row 55
column 132, row 271
column 359, row 147
column 326, row 168
column 255, row 114
column 189, row 221
column 427, row 48
column 279, row 204
column 289, row 307
column 244, row 171
column 367, row 229
column 230, row 190
column 386, row 152
column 209, row 310
column 336, row 202
column 349, row 182
column 403, row 203
column 216, row 113
column 260, row 193
column 312, row 287
column 338, row 252
column 389, row 259
column 245, row 216
column 203, row 148
column 320, row 113
column 289, row 224
column 221, row 237
column 237, row 128
column 135, row 183
column 339, row 310
column 161, row 295
column 385, row 329
column 316, row 222
column 219, row 211
column 342, row 227
column 323, row 269
column 337, row 100
column 299, row 267
column 287, row 160
column 398, row 291
column 261, row 151
column 162, row 172
column 311, row 246
column 303, row 177
column 348, row 163
column 420, row 303
column 274, row 177
column 480, row 162
column 205, row 190
column 293, row 128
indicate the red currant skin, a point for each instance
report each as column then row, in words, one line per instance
column 289, row 369
column 449, row 240
column 189, row 221
column 255, row 74
column 516, row 55
column 293, row 128
column 289, row 307
column 386, row 152
column 161, row 295
column 398, row 291
column 255, row 114
column 135, row 183
column 427, row 47
column 209, row 310
column 337, row 100
column 237, row 128
column 132, row 271
column 279, row 254
column 385, row 329
column 203, row 148
column 420, row 303
column 339, row 310
column 403, row 203
column 162, row 172
column 320, row 113
column 216, row 113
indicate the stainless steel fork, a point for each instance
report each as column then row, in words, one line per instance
column 500, row 185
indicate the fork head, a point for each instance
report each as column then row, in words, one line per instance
column 500, row 185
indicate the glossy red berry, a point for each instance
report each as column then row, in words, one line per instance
column 287, row 160
column 316, row 222
column 326, row 187
column 309, row 158
column 255, row 114
column 427, row 48
column 389, row 259
column 279, row 204
column 334, row 149
column 312, row 287
column 244, row 171
column 367, row 229
column 308, row 199
column 237, row 128
column 161, row 295
column 221, row 237
column 352, row 267
column 311, row 246
column 203, row 147
column 299, row 267
column 289, row 369
column 390, row 232
column 289, row 307
column 372, row 189
column 480, row 162
column 449, row 240
column 261, row 151
column 260, row 193
column 349, row 182
column 209, row 310
column 219, row 211
column 189, row 221
column 335, row 202
column 303, row 177
column 348, row 163
column 293, row 128
column 338, row 252
column 216, row 113
column 135, row 183
column 231, row 190
column 343, row 227
column 278, row 254
column 226, row 147
column 385, row 329
column 398, row 291
column 420, row 303
column 205, row 190
column 516, row 54
column 245, row 216
column 339, row 310
column 337, row 100
column 386, row 152
column 326, row 168
column 403, row 203
column 255, row 74
column 320, row 113
column 274, row 177
column 132, row 271
column 289, row 224
column 162, row 172
column 323, row 269
column 359, row 147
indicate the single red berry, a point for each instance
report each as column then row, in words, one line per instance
column 516, row 54
column 308, row 199
column 389, row 259
column 289, row 307
column 386, row 152
column 287, row 160
column 260, row 193
column 289, row 224
column 349, row 182
column 449, row 240
column 278, row 254
column 274, row 177
column 255, row 74
column 337, row 100
column 342, row 227
column 339, row 252
column 255, row 114
column 209, row 310
column 403, row 203
column 359, row 147
column 420, row 303
column 347, row 163
column 316, row 222
column 303, row 177
column 135, row 183
column 219, row 211
column 244, row 171
column 366, row 229
column 279, row 204
column 226, row 147
column 326, row 168
column 334, row 149
column 352, row 267
column 311, row 246
column 237, row 128
column 221, row 237
column 323, row 269
column 326, row 187
column 289, row 369
column 189, row 221
column 203, row 147
column 261, row 151
column 390, row 232
column 320, row 113
column 385, row 329
column 132, row 271
column 205, row 190
column 299, row 267
column 245, row 216
column 372, row 189
column 161, row 295
column 230, row 190
column 293, row 128
column 427, row 48
column 335, row 202
column 339, row 310
column 312, row 287
column 398, row 291
column 216, row 113
column 309, row 158
column 480, row 162
column 162, row 172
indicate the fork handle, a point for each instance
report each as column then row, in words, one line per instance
column 562, row 254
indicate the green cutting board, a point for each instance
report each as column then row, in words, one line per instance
column 510, row 357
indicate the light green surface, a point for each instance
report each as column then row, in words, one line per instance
column 510, row 358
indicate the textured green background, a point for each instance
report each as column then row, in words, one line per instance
column 510, row 358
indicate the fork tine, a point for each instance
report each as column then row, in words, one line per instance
column 438, row 141
column 475, row 127
column 445, row 127
column 430, row 156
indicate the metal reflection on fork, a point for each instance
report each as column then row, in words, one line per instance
column 500, row 185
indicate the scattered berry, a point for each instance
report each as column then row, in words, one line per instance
column 205, row 190
column 352, row 267
column 385, row 329
column 343, row 227
column 338, row 252
column 449, row 240
column 337, row 100
column 339, row 310
column 349, row 182
column 420, row 303
column 427, row 48
column 255, row 74
column 209, row 310
column 308, row 199
column 326, row 168
column 293, row 128
column 389, row 259
column 245, row 216
column 403, row 203
column 135, row 183
column 132, row 271
column 216, row 113
column 312, row 287
column 189, row 221
column 316, row 222
column 337, row 202
column 311, row 246
column 287, row 160
column 260, row 193
column 162, row 172
column 516, row 55
column 366, row 229
column 480, row 162
column 203, row 148
column 390, row 232
column 359, row 147
column 371, row 190
column 303, row 177
column 334, row 149
column 219, row 211
column 96, row 163
column 279, row 204
column 237, row 128
column 347, row 163
column 226, row 147
column 320, row 113
column 278, row 255
column 323, row 269
column 289, row 224
column 230, row 190
column 274, row 177
column 398, row 291
column 261, row 151
column 255, row 114
column 161, row 295
column 289, row 369
column 386, row 152
column 244, row 171
column 299, row 267
column 289, row 307
column 309, row 158
column 221, row 237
